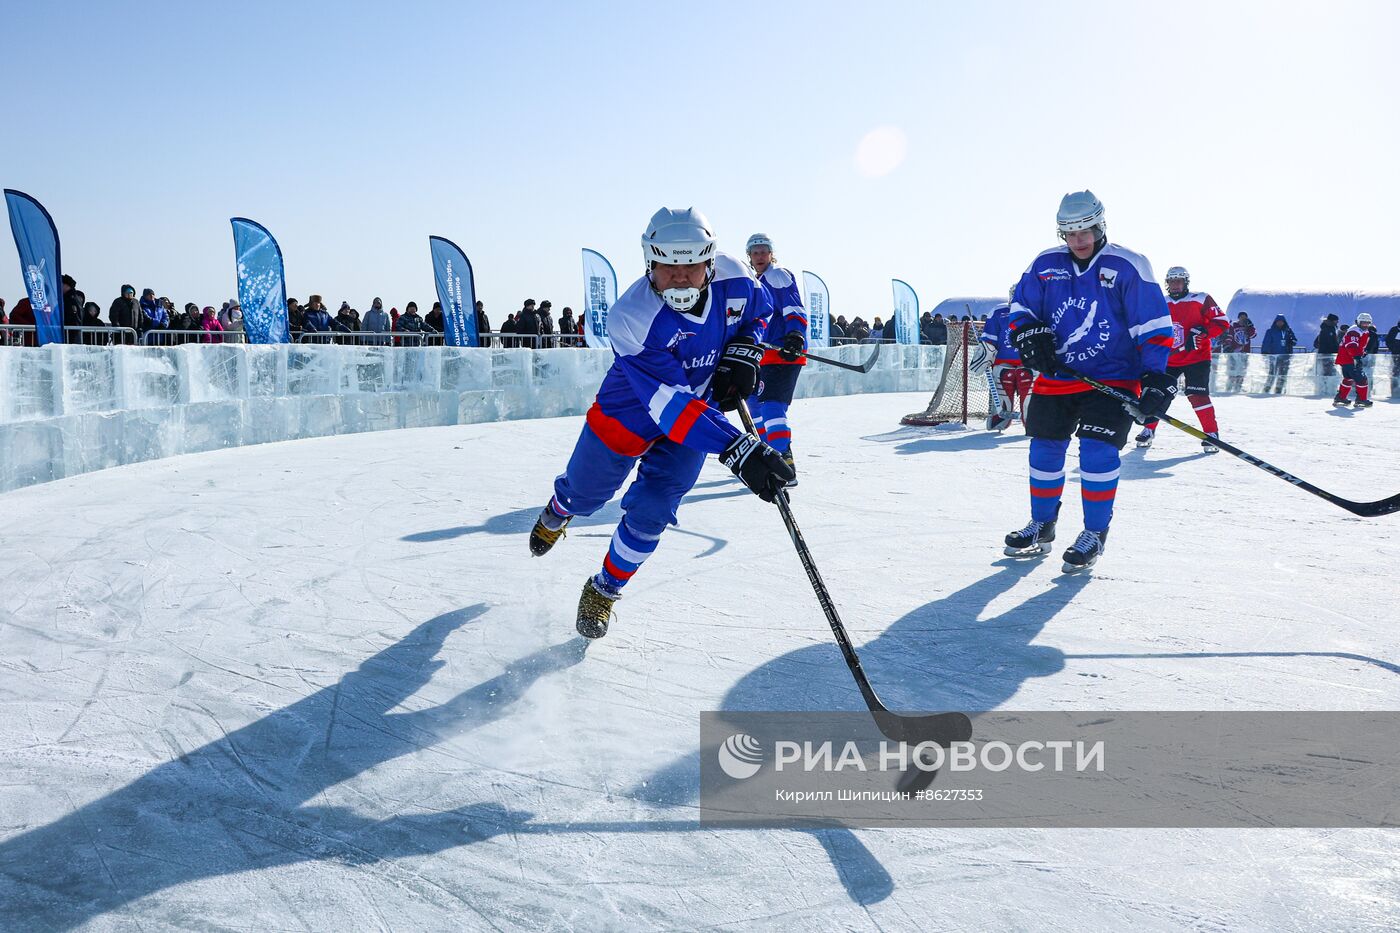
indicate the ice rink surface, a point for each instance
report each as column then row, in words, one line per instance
column 322, row 685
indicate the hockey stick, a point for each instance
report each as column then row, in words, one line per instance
column 940, row 728
column 853, row 367
column 1364, row 509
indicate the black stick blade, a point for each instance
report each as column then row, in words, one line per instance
column 938, row 728
column 1371, row 509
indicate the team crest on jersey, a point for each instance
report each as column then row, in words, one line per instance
column 1053, row 275
column 1107, row 277
column 678, row 337
column 734, row 310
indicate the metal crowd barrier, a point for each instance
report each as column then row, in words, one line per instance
column 373, row 338
column 174, row 337
column 26, row 335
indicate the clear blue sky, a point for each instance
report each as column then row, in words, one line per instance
column 1255, row 143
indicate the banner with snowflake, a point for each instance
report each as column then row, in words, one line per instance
column 262, row 288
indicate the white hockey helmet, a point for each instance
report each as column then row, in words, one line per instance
column 679, row 238
column 1364, row 319
column 1080, row 210
column 1178, row 272
column 758, row 239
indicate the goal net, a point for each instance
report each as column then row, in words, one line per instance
column 965, row 389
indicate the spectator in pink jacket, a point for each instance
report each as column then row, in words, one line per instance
column 210, row 324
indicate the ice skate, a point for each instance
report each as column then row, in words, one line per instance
column 1084, row 552
column 1031, row 541
column 549, row 528
column 595, row 607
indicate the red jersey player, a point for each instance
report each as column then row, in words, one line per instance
column 1349, row 358
column 1196, row 321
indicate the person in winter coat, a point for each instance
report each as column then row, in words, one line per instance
column 410, row 325
column 186, row 318
column 1238, row 340
column 209, row 323
column 1392, row 340
column 376, row 322
column 527, row 321
column 23, row 315
column 508, row 327
column 546, row 323
column 939, row 331
column 295, row 320
column 231, row 319
column 1326, row 344
column 483, row 324
column 924, row 322
column 1277, row 345
column 73, row 301
column 154, row 319
column 567, row 324
column 889, row 332
column 124, row 312
column 835, row 332
column 347, row 318
column 433, row 323
column 317, row 320
column 92, row 317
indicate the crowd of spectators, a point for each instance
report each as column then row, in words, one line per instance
column 155, row 320
column 933, row 329
column 150, row 320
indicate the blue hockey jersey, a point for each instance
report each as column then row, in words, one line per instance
column 789, row 316
column 1110, row 320
column 997, row 333
column 659, row 383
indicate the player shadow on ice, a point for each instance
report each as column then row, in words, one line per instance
column 241, row 803
column 938, row 657
column 520, row 521
column 920, row 440
column 1198, row 655
column 1137, row 465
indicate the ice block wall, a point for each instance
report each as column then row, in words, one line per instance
column 66, row 410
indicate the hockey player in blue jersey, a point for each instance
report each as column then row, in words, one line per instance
column 1094, row 306
column 685, row 338
column 787, row 328
column 1009, row 381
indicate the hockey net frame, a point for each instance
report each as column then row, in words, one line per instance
column 964, row 387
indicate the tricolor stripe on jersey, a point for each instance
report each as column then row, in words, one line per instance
column 675, row 409
column 1157, row 332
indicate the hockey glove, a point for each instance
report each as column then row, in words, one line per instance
column 1036, row 344
column 1196, row 337
column 1158, row 390
column 793, row 346
column 760, row 467
column 736, row 373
